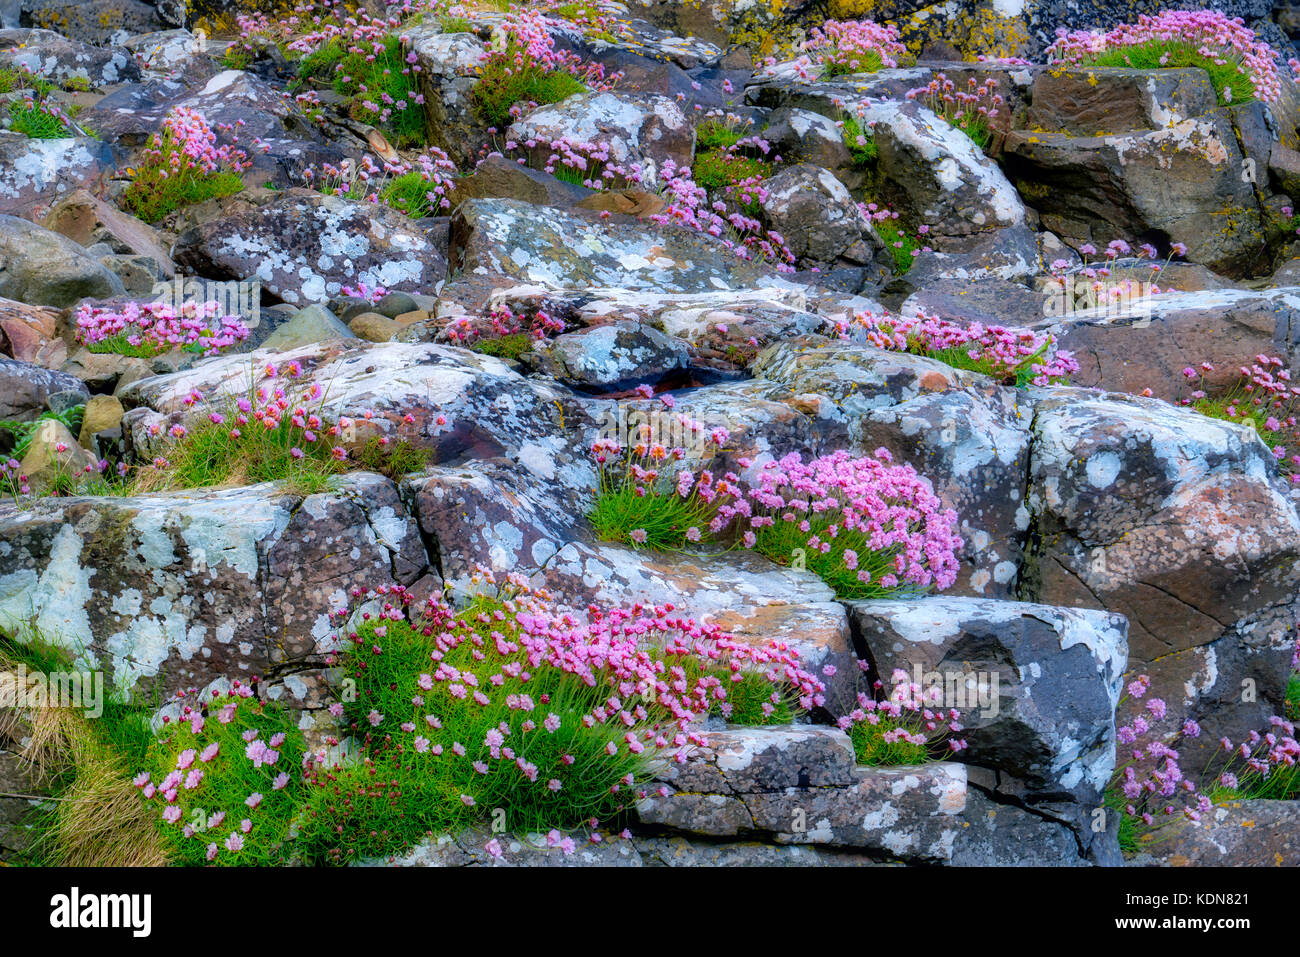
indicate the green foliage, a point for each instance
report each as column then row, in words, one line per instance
column 862, row 147
column 394, row 459
column 718, row 169
column 23, row 431
column 365, row 79
column 502, row 84
column 1172, row 54
column 37, row 120
column 510, row 346
column 783, row 542
column 716, row 134
column 663, row 515
column 409, row 193
column 1293, row 698
column 899, row 243
column 228, row 780
column 451, row 24
column 153, row 195
column 873, row 750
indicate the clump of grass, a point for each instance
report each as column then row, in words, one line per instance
column 394, row 459
column 500, row 86
column 861, row 145
column 908, row 727
column 718, row 170
column 510, row 346
column 379, row 83
column 37, row 120
column 94, row 817
column 901, row 245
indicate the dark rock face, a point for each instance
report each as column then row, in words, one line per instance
column 25, row 389
column 177, row 591
column 305, row 247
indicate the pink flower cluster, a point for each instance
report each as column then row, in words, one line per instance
column 368, row 180
column 910, row 714
column 855, row 46
column 187, row 144
column 689, row 205
column 586, row 163
column 1262, row 397
column 161, row 326
column 1213, row 35
column 502, row 321
column 972, row 109
column 1009, row 354
column 846, row 509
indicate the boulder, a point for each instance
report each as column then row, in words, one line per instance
column 26, row 388
column 1234, row 833
column 37, row 173
column 306, row 246
column 612, row 357
column 640, row 131
column 46, row 269
column 87, row 220
column 53, row 455
column 814, row 213
column 1036, row 686
column 62, row 60
column 173, row 591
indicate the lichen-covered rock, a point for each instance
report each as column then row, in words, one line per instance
column 1146, row 342
column 1178, row 522
column 815, row 214
column 1036, row 686
column 177, row 590
column 25, row 388
column 1234, row 833
column 448, row 65
column 46, row 269
column 969, row 437
column 489, row 410
column 1183, row 181
column 62, row 60
column 641, row 132
column 37, row 173
column 306, row 246
column 98, row 22
column 612, row 357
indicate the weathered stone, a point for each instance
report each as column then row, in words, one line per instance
column 1036, row 686
column 1234, row 834
column 612, row 357
column 86, row 220
column 27, row 333
column 813, row 212
column 103, row 412
column 63, row 60
column 53, row 453
column 25, row 388
column 44, row 268
column 641, row 132
column 1104, row 101
column 306, row 327
column 37, row 173
column 1178, row 522
column 373, row 327
column 306, row 246
column 500, row 178
column 176, row 590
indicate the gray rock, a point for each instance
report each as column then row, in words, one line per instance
column 306, row 327
column 25, row 388
column 612, row 357
column 37, row 173
column 44, row 268
column 814, row 213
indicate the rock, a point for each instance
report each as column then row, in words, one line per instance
column 641, row 132
column 814, row 212
column 62, row 60
column 373, row 327
column 1234, row 833
column 489, row 410
column 19, row 797
column 25, row 388
column 1103, row 101
column 1004, row 835
column 287, row 142
column 44, row 268
column 53, row 455
column 448, row 65
column 27, row 333
column 612, row 357
column 1178, row 522
column 305, row 247
column 95, row 22
column 500, row 178
column 1182, row 181
column 173, row 52
column 173, row 591
column 1146, row 342
column 36, row 173
column 1036, row 686
column 989, row 301
column 306, row 327
column 968, row 436
column 103, row 412
column 86, row 220
column 807, row 137
column 673, row 851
